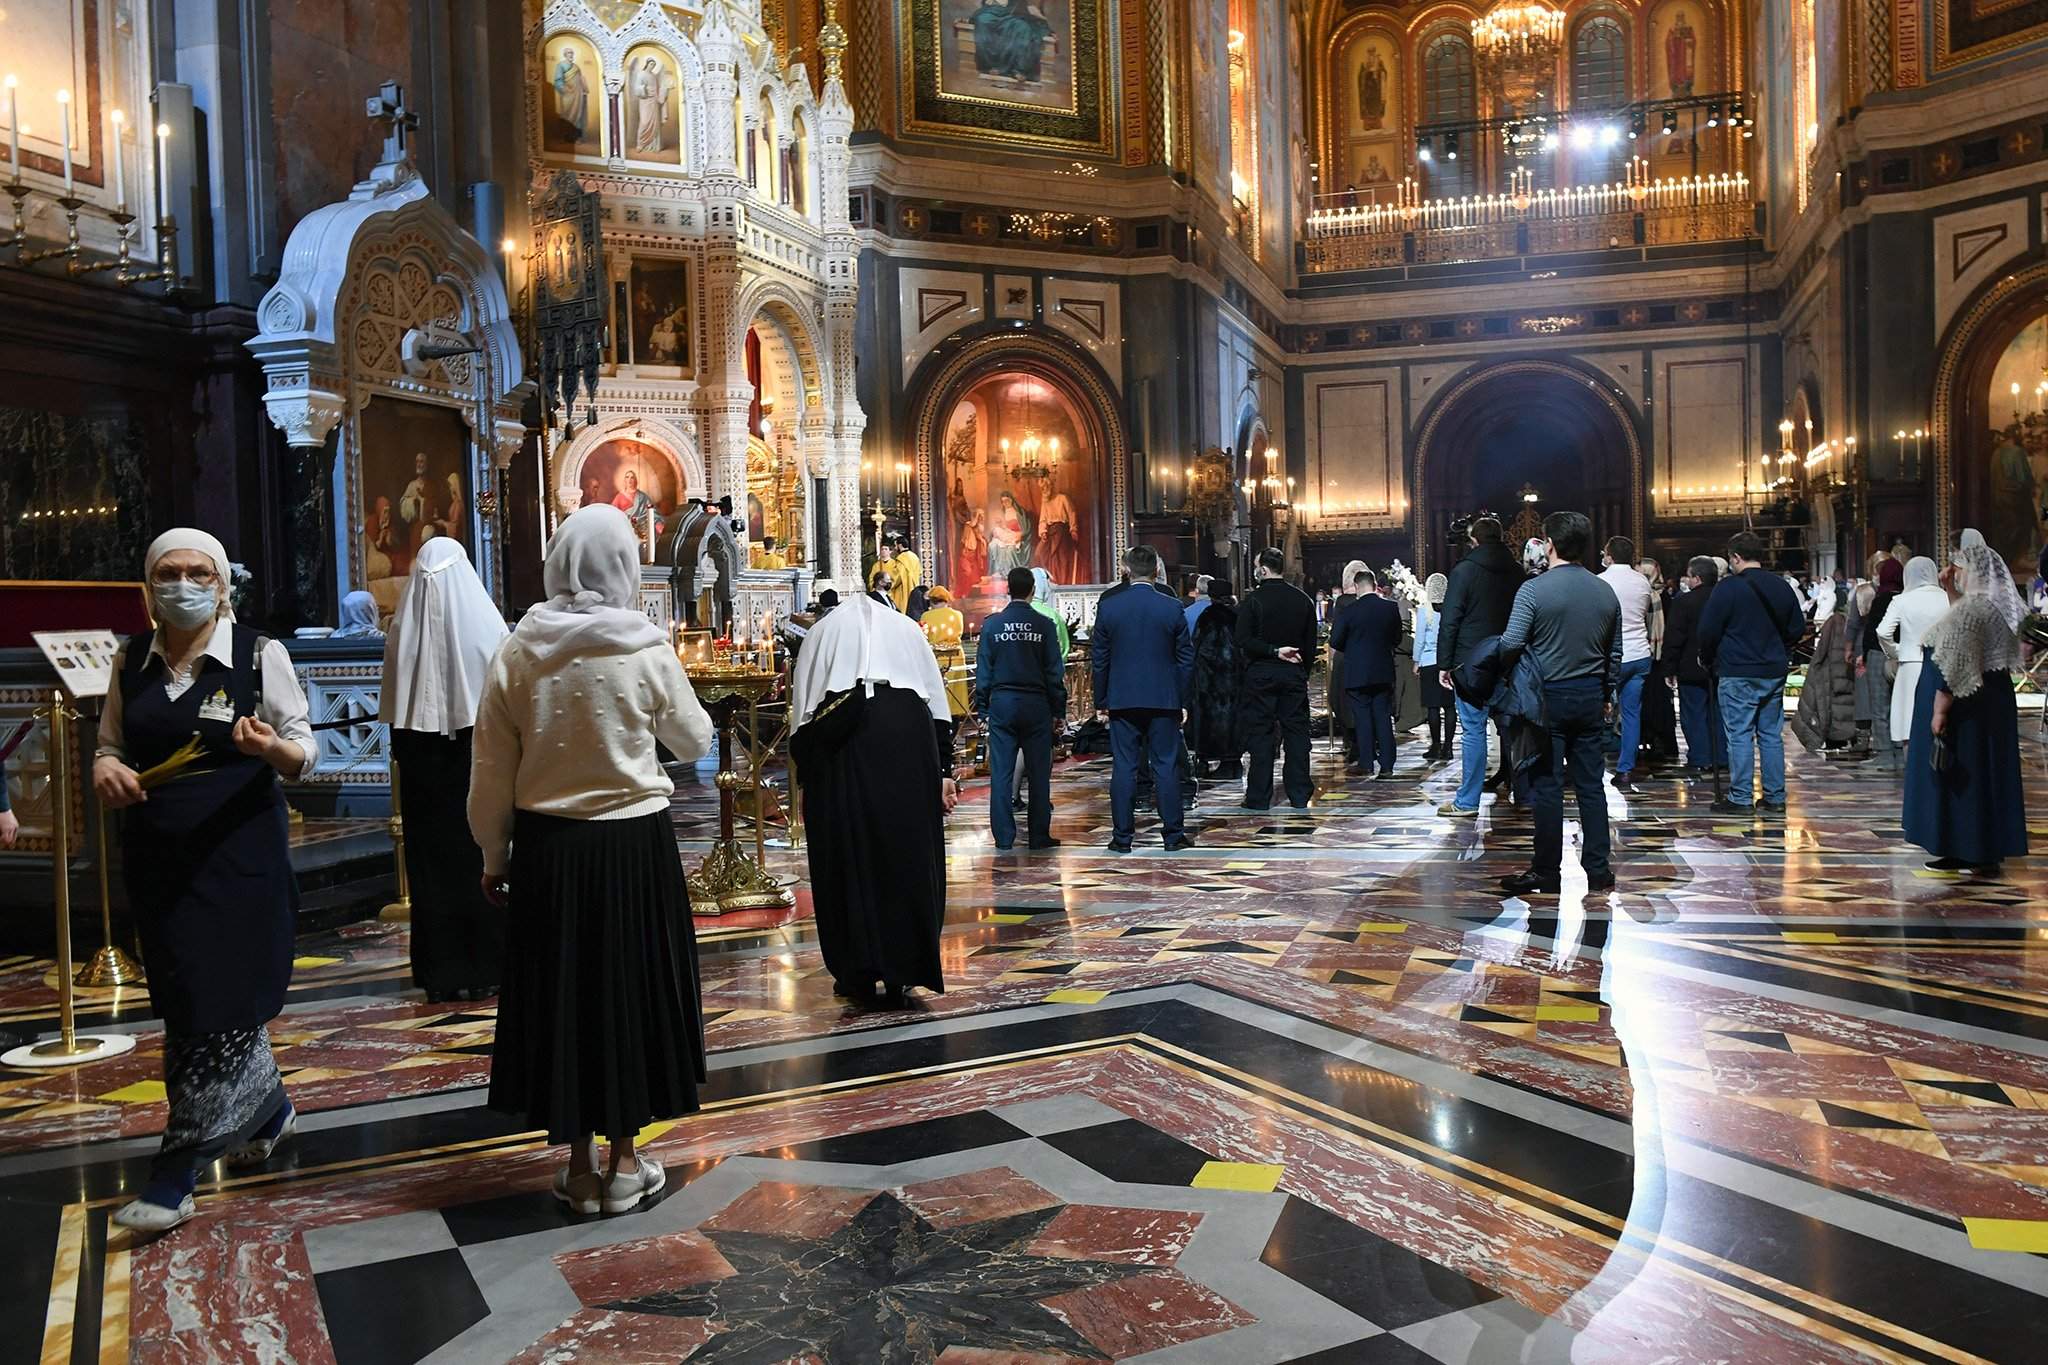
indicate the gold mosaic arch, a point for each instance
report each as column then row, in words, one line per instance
column 944, row 384
column 1481, row 374
column 1963, row 336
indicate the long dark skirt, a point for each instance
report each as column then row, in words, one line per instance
column 600, row 1027
column 458, row 937
column 878, row 848
column 1974, row 809
column 222, row 1088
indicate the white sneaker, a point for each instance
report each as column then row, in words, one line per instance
column 256, row 1151
column 140, row 1215
column 623, row 1193
column 568, row 1198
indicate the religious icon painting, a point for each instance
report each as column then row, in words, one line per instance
column 572, row 98
column 1029, row 72
column 414, row 484
column 2015, row 451
column 635, row 476
column 1682, row 53
column 1372, row 86
column 661, row 313
column 653, row 107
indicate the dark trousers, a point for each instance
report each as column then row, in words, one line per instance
column 1577, row 750
column 1372, row 716
column 1699, row 714
column 1275, row 697
column 1019, row 723
column 1151, row 738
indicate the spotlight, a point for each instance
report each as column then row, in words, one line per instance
column 1450, row 146
column 1713, row 116
column 1512, row 133
column 1422, row 149
column 1736, row 119
column 1550, row 140
column 1635, row 125
column 1609, row 135
column 1670, row 122
column 1582, row 137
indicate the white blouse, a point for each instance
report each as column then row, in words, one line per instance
column 283, row 707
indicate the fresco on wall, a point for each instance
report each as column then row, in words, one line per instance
column 653, row 104
column 1028, row 72
column 572, row 98
column 1685, row 61
column 1971, row 30
column 998, row 518
column 1370, row 95
column 2016, row 486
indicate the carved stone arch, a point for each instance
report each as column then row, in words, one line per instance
column 799, row 316
column 1969, row 354
column 662, row 433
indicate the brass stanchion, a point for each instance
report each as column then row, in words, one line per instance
column 109, row 966
column 67, row 1048
column 400, row 910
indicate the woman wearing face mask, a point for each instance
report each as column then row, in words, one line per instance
column 207, row 863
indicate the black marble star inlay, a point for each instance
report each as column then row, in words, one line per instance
column 887, row 1287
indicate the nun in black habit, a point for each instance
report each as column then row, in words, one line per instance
column 874, row 751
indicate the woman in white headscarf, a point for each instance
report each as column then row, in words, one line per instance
column 442, row 639
column 1964, row 802
column 1903, row 628
column 600, row 1029
column 358, row 618
column 204, row 717
column 873, row 748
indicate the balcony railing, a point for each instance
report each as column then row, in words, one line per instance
column 1414, row 231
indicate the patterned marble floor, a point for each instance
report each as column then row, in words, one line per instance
column 1311, row 1092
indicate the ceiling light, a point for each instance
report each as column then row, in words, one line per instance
column 1670, row 122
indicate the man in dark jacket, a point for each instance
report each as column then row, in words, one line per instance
column 1706, row 743
column 1747, row 631
column 1366, row 632
column 1276, row 634
column 1214, row 730
column 1142, row 660
column 1476, row 605
column 1020, row 688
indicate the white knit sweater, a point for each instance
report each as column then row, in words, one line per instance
column 576, row 737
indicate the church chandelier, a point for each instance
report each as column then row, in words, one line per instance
column 1037, row 456
column 1530, row 33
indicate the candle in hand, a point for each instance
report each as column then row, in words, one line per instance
column 64, row 107
column 117, row 118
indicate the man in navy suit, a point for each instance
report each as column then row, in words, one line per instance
column 1143, row 660
column 1366, row 632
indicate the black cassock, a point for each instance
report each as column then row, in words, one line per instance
column 876, row 829
column 458, row 937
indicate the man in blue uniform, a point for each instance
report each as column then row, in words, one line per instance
column 1020, row 690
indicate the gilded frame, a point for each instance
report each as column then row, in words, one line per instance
column 1088, row 128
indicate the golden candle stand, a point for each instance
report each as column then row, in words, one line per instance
column 400, row 910
column 730, row 878
column 69, row 1047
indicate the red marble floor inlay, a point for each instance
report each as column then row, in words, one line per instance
column 628, row 1270
column 975, row 1197
column 1147, row 1313
column 599, row 1336
column 1137, row 1236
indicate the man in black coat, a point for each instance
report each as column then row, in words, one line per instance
column 1276, row 634
column 1366, row 632
column 1476, row 605
column 1706, row 743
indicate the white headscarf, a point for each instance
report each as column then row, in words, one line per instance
column 187, row 538
column 358, row 617
column 1976, row 637
column 1821, row 600
column 1351, row 571
column 1971, row 539
column 592, row 577
column 1985, row 574
column 1922, row 573
column 865, row 641
column 442, row 639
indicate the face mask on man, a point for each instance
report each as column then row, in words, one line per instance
column 184, row 606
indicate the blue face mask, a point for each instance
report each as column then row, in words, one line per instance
column 184, row 606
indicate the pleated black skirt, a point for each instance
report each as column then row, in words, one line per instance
column 458, row 937
column 600, row 1025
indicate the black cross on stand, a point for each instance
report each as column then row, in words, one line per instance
column 387, row 107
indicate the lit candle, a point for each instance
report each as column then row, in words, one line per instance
column 13, row 130
column 64, row 107
column 117, row 118
column 163, row 168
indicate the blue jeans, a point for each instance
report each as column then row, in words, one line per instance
column 1753, row 710
column 1578, row 728
column 1706, row 738
column 1472, row 752
column 1149, row 737
column 1630, row 703
column 1019, row 725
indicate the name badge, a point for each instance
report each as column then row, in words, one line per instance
column 217, row 707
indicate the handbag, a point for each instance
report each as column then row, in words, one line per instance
column 829, row 727
column 1939, row 754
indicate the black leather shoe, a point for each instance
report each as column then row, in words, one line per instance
column 1771, row 807
column 1179, row 842
column 1603, row 882
column 1045, row 843
column 1723, row 806
column 1118, row 846
column 1246, row 805
column 1528, row 884
column 1623, row 782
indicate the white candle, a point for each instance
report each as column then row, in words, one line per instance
column 13, row 131
column 163, row 168
column 64, row 107
column 117, row 118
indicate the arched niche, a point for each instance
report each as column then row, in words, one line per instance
column 1990, row 446
column 652, row 453
column 1551, row 424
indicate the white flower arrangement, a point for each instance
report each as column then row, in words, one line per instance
column 1401, row 581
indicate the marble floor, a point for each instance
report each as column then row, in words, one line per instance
column 1312, row 1091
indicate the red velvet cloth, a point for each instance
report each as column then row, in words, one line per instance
column 27, row 607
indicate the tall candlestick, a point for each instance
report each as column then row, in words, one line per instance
column 13, row 132
column 64, row 107
column 117, row 118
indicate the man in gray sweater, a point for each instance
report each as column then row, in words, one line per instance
column 1569, row 623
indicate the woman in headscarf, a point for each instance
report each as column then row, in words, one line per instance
column 443, row 636
column 1214, row 735
column 873, row 747
column 1336, row 697
column 359, row 617
column 1437, row 696
column 1964, row 802
column 1873, row 679
column 1042, row 602
column 1905, row 624
column 205, row 715
column 600, row 1029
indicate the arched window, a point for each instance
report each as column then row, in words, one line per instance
column 796, row 178
column 1449, row 96
column 1600, row 81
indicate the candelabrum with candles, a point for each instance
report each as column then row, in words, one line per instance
column 742, row 674
column 122, row 268
column 1909, row 446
